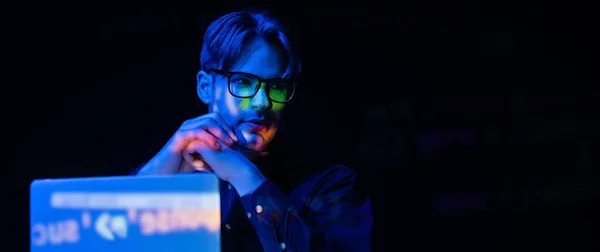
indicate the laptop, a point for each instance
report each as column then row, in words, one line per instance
column 126, row 213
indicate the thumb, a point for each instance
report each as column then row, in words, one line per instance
column 193, row 161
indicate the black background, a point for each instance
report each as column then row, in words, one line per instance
column 491, row 107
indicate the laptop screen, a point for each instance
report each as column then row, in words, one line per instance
column 129, row 213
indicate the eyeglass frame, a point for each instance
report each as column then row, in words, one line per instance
column 229, row 74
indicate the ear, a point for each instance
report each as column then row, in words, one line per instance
column 204, row 87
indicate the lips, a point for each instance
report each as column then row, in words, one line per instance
column 259, row 125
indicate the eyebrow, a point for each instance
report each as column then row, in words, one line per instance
column 279, row 76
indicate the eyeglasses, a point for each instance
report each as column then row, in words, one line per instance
column 245, row 85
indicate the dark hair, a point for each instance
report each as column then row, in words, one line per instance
column 228, row 39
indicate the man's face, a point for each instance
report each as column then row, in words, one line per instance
column 255, row 119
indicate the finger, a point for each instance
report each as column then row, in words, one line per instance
column 219, row 133
column 226, row 126
column 217, row 119
column 187, row 164
column 193, row 159
column 189, row 168
column 186, row 167
column 207, row 138
column 181, row 139
column 194, row 149
column 219, row 128
column 215, row 125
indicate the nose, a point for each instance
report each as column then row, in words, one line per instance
column 261, row 100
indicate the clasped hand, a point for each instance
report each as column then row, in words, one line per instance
column 205, row 143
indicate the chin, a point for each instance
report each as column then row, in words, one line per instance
column 255, row 142
column 258, row 145
column 256, row 148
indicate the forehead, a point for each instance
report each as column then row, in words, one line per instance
column 262, row 60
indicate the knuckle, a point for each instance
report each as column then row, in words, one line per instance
column 201, row 134
column 180, row 135
column 205, row 136
column 212, row 121
column 187, row 122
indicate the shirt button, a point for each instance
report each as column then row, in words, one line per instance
column 227, row 226
column 229, row 186
column 259, row 208
column 282, row 246
column 249, row 214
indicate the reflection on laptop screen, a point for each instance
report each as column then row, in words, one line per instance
column 151, row 214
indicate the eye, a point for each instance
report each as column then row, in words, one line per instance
column 277, row 86
column 242, row 81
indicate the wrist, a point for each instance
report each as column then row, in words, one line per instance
column 144, row 170
column 247, row 181
column 162, row 163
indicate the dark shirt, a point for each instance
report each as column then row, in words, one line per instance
column 324, row 213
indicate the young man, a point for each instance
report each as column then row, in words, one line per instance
column 248, row 68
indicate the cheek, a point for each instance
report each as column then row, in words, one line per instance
column 278, row 107
column 218, row 92
column 226, row 104
column 216, row 105
column 244, row 104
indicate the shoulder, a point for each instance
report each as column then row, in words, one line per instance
column 334, row 173
column 336, row 197
column 336, row 180
column 331, row 175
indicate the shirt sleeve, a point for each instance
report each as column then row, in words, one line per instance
column 326, row 213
